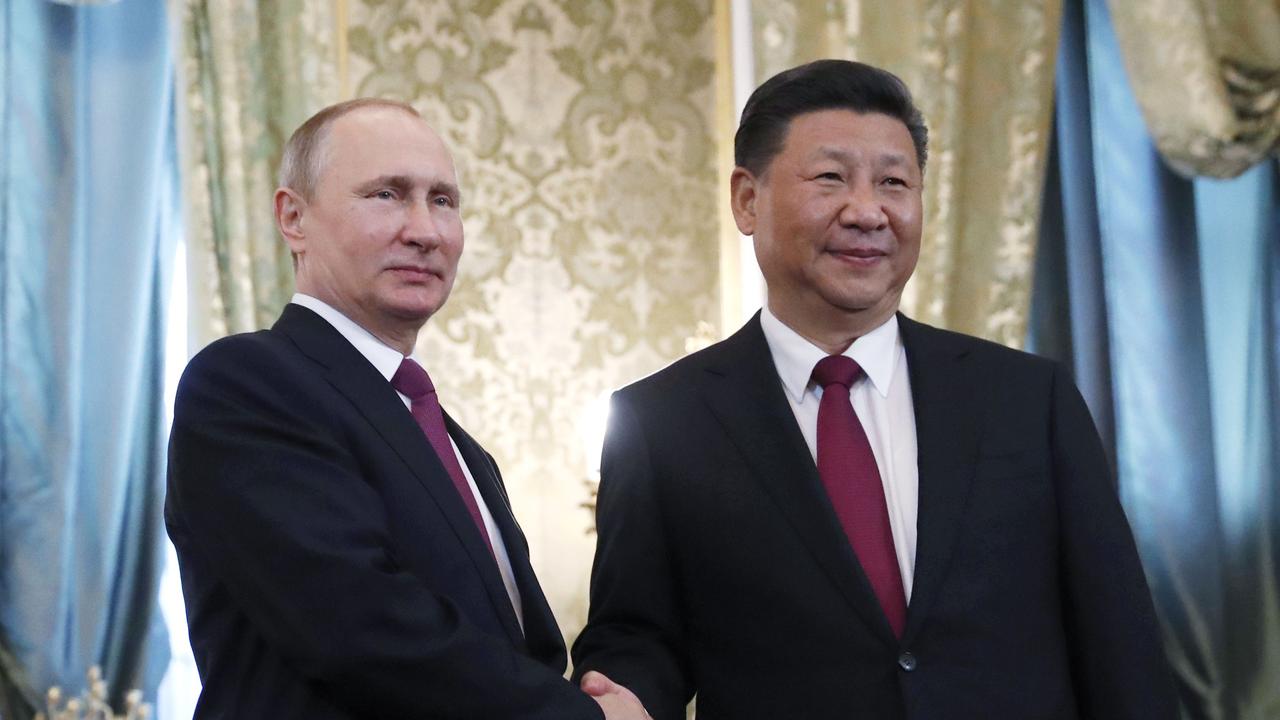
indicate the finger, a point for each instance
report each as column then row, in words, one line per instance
column 596, row 684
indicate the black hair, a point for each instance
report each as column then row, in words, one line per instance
column 821, row 85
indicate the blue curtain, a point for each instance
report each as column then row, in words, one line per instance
column 87, row 218
column 1162, row 293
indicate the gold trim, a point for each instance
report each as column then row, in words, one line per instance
column 730, row 240
column 340, row 29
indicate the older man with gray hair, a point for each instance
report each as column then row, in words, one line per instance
column 347, row 550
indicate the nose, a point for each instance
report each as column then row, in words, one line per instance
column 863, row 209
column 421, row 227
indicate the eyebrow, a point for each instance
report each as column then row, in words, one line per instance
column 890, row 159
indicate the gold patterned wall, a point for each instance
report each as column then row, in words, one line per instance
column 582, row 131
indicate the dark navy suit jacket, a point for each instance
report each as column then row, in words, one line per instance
column 721, row 568
column 329, row 567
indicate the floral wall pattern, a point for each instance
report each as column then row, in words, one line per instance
column 582, row 131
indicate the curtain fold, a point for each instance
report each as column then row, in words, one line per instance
column 1239, row 242
column 1207, row 76
column 253, row 72
column 85, row 204
column 1167, row 314
column 982, row 73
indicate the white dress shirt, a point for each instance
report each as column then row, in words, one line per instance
column 387, row 360
column 882, row 401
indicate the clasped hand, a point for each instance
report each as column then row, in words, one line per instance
column 617, row 702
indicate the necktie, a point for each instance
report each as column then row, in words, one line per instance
column 414, row 382
column 849, row 473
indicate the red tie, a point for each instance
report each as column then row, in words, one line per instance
column 849, row 473
column 414, row 382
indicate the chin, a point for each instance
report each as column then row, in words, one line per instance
column 858, row 300
column 412, row 312
column 419, row 314
column 422, row 302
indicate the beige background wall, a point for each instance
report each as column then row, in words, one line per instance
column 583, row 135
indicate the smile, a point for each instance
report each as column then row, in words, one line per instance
column 859, row 257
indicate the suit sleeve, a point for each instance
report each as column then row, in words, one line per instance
column 634, row 632
column 1117, row 655
column 278, row 510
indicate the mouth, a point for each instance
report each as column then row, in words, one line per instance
column 859, row 256
column 415, row 273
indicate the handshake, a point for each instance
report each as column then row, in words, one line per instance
column 617, row 702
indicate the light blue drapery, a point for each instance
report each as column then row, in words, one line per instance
column 1162, row 294
column 87, row 199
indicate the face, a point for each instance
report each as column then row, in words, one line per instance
column 380, row 241
column 836, row 219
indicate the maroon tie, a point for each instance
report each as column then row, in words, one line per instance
column 849, row 473
column 414, row 382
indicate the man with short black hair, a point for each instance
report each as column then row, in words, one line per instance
column 839, row 512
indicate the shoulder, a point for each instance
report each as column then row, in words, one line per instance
column 245, row 370
column 676, row 379
column 987, row 378
column 924, row 343
column 234, row 348
column 299, row 337
column 244, row 354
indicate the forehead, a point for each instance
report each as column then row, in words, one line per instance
column 374, row 141
column 869, row 135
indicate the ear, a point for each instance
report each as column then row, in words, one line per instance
column 743, row 191
column 289, row 209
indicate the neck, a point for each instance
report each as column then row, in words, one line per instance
column 401, row 342
column 400, row 337
column 833, row 332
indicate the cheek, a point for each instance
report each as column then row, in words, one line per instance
column 906, row 225
column 453, row 251
column 906, row 217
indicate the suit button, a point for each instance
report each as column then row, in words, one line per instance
column 907, row 661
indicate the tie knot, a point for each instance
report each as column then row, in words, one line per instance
column 412, row 380
column 836, row 370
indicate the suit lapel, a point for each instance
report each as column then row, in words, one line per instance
column 947, row 441
column 495, row 499
column 741, row 385
column 351, row 374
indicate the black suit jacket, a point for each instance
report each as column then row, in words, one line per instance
column 721, row 568
column 329, row 567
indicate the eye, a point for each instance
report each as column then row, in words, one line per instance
column 830, row 176
column 384, row 194
column 443, row 201
column 895, row 181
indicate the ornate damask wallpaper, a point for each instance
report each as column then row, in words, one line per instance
column 582, row 131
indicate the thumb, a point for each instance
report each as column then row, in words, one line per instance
column 596, row 684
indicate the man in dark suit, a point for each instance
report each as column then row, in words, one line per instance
column 348, row 551
column 841, row 513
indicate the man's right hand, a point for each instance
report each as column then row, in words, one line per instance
column 617, row 702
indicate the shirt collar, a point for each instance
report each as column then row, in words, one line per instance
column 383, row 357
column 794, row 356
